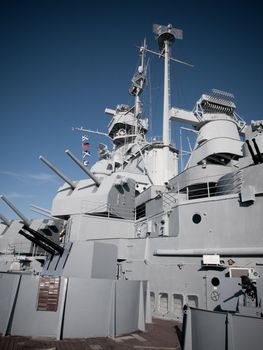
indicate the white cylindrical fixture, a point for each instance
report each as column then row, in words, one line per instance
column 155, row 164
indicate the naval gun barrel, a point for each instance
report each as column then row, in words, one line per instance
column 44, row 241
column 255, row 160
column 5, row 220
column 36, row 237
column 35, row 241
column 25, row 220
column 86, row 170
column 59, row 173
column 257, row 150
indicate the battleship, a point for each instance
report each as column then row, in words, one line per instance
column 137, row 239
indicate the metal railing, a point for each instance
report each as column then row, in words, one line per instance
column 22, row 249
column 229, row 184
column 107, row 210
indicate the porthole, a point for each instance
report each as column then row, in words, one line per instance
column 196, row 218
column 215, row 281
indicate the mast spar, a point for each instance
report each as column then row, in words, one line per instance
column 166, row 36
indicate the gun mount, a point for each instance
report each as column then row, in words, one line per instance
column 40, row 244
column 36, row 237
column 59, row 173
column 86, row 170
column 42, row 241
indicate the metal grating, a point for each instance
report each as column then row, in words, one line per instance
column 48, row 293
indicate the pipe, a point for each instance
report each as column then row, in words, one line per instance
column 35, row 241
column 25, row 220
column 257, row 150
column 203, row 251
column 86, row 170
column 5, row 220
column 255, row 160
column 59, row 173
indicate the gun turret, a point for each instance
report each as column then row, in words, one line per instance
column 35, row 237
column 5, row 220
column 25, row 220
column 59, row 173
column 86, row 170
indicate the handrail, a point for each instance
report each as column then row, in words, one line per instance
column 205, row 189
column 92, row 207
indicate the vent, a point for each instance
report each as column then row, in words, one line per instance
column 48, row 293
column 140, row 211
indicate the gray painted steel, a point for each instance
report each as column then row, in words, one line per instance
column 27, row 320
column 139, row 234
column 8, row 293
column 129, row 313
column 89, row 310
column 214, row 330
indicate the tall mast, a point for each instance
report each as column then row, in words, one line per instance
column 166, row 95
column 166, row 36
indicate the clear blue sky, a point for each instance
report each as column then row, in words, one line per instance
column 63, row 62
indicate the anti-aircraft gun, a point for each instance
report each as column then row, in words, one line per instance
column 31, row 234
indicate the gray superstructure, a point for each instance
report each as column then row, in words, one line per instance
column 136, row 238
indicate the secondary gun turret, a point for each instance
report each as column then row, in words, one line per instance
column 42, row 241
column 37, row 238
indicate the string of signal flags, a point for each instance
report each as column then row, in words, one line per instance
column 85, row 149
